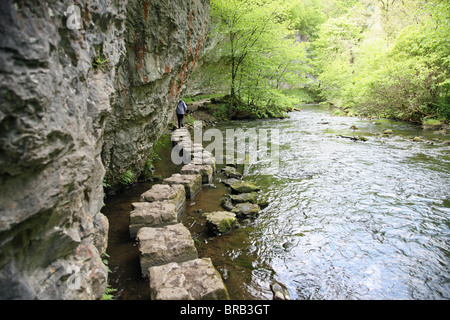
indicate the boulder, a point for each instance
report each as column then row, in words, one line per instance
column 192, row 280
column 205, row 171
column 192, row 183
column 159, row 246
column 244, row 186
column 246, row 210
column 388, row 131
column 152, row 214
column 220, row 222
column 174, row 193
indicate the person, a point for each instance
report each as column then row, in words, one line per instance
column 181, row 109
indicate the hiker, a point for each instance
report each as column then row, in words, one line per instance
column 181, row 109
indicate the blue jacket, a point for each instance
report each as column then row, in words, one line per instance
column 181, row 107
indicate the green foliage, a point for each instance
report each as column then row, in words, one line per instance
column 127, row 178
column 107, row 295
column 258, row 54
column 402, row 72
column 100, row 62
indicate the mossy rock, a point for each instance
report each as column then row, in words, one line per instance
column 220, row 222
column 245, row 197
column 244, row 186
column 246, row 210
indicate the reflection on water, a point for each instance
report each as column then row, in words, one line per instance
column 346, row 219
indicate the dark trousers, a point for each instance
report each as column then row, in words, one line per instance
column 180, row 120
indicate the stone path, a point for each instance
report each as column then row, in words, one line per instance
column 167, row 252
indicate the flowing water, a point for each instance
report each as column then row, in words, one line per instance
column 346, row 219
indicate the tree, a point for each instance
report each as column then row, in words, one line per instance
column 254, row 46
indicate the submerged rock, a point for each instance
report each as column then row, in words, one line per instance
column 220, row 221
column 244, row 186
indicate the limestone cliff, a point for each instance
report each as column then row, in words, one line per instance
column 84, row 86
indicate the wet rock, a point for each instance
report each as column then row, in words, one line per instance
column 205, row 171
column 159, row 246
column 192, row 280
column 220, row 221
column 230, row 181
column 244, row 186
column 388, row 131
column 417, row 139
column 231, row 172
column 245, row 197
column 152, row 214
column 227, row 204
column 192, row 183
column 174, row 193
column 246, row 210
column 279, row 290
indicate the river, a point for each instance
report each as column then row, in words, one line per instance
column 346, row 219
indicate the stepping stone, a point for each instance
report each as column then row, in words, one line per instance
column 205, row 171
column 152, row 214
column 192, row 183
column 246, row 210
column 245, row 197
column 244, row 186
column 161, row 192
column 159, row 246
column 220, row 221
column 192, row 280
column 230, row 172
column 180, row 135
column 204, row 158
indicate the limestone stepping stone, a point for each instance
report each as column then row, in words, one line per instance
column 191, row 182
column 192, row 280
column 161, row 192
column 206, row 171
column 152, row 214
column 159, row 246
column 180, row 135
column 204, row 158
column 220, row 221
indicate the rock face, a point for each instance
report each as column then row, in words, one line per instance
column 163, row 42
column 84, row 86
